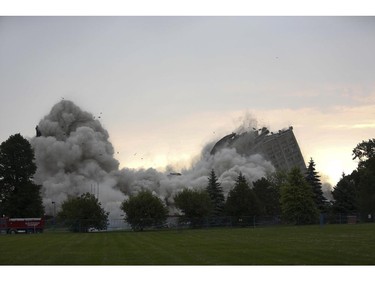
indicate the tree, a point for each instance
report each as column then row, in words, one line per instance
column 242, row 201
column 356, row 192
column 297, row 203
column 313, row 179
column 364, row 150
column 366, row 188
column 345, row 195
column 195, row 204
column 19, row 196
column 268, row 195
column 83, row 212
column 144, row 210
column 216, row 194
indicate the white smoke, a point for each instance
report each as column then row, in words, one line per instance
column 226, row 162
column 73, row 156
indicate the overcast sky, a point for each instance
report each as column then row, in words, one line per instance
column 165, row 86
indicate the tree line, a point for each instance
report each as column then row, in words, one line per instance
column 288, row 195
column 294, row 197
column 355, row 193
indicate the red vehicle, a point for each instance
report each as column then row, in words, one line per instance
column 21, row 225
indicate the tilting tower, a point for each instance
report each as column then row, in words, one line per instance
column 280, row 148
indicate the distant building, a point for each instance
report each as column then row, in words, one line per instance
column 280, row 148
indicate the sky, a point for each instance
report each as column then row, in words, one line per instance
column 163, row 87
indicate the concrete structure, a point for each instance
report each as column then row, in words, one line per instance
column 280, row 148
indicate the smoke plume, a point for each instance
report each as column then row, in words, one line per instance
column 73, row 155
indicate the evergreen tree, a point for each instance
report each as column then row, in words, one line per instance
column 268, row 195
column 19, row 196
column 313, row 179
column 297, row 200
column 242, row 201
column 216, row 194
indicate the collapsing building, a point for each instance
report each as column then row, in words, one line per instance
column 280, row 148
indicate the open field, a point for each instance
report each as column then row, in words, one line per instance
column 287, row 245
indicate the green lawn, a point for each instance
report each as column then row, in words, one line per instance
column 289, row 245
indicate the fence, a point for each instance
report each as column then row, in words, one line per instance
column 333, row 218
column 83, row 225
column 181, row 222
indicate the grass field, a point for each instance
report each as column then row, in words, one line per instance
column 288, row 245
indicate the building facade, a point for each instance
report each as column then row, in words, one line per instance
column 280, row 148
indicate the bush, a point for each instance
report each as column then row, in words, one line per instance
column 144, row 210
column 83, row 212
column 195, row 204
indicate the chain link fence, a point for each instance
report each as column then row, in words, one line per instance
column 181, row 222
